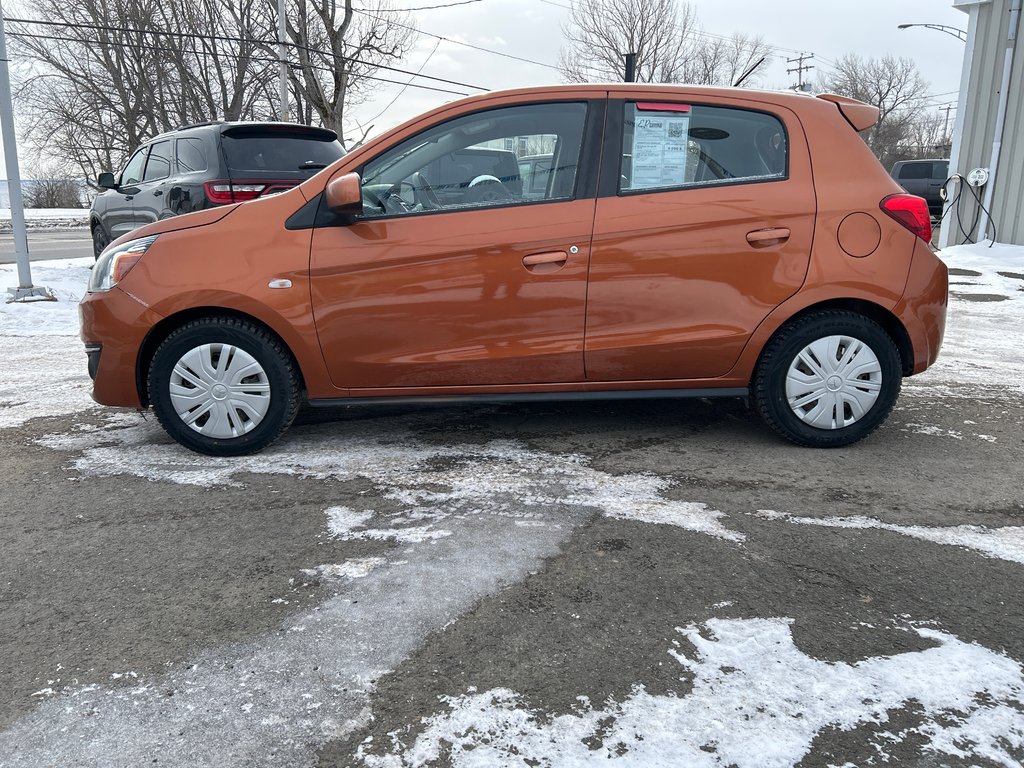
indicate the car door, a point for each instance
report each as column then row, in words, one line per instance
column 704, row 225
column 486, row 288
column 150, row 200
column 119, row 217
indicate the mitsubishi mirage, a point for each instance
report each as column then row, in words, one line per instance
column 676, row 241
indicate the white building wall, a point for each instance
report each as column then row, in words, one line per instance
column 988, row 29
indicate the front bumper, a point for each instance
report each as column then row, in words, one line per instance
column 114, row 326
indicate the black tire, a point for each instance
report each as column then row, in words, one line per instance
column 99, row 240
column 281, row 375
column 770, row 377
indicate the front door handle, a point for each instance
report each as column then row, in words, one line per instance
column 550, row 261
column 768, row 236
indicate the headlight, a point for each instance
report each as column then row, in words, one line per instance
column 116, row 262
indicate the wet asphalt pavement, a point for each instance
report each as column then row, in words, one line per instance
column 315, row 604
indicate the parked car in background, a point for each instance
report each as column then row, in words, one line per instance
column 923, row 178
column 689, row 242
column 206, row 165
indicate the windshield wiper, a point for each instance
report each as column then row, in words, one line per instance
column 309, row 165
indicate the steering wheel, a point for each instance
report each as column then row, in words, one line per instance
column 486, row 189
column 391, row 200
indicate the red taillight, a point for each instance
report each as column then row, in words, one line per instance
column 911, row 211
column 221, row 192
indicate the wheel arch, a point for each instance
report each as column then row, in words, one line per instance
column 161, row 330
column 889, row 322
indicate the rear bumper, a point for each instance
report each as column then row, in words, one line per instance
column 922, row 310
column 114, row 326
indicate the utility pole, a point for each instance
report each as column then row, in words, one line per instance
column 945, row 123
column 630, row 75
column 800, row 68
column 282, row 66
column 25, row 290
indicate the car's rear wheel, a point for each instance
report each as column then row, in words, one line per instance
column 223, row 386
column 99, row 240
column 828, row 379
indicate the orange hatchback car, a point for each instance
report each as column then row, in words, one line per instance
column 677, row 241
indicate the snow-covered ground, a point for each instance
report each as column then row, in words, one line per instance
column 756, row 697
column 48, row 218
column 982, row 345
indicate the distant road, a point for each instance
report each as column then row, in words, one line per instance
column 45, row 245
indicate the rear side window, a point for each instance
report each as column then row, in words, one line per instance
column 191, row 155
column 278, row 152
column 159, row 164
column 916, row 171
column 940, row 170
column 672, row 146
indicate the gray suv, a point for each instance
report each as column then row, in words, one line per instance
column 923, row 178
column 205, row 165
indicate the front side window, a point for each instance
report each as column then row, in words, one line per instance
column 671, row 146
column 132, row 173
column 473, row 161
column 159, row 164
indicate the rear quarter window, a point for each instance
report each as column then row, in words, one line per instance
column 672, row 146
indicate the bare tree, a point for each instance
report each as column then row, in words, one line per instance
column 895, row 86
column 52, row 185
column 340, row 52
column 113, row 73
column 666, row 37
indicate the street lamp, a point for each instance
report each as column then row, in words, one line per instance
column 959, row 34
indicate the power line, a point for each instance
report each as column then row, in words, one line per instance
column 227, row 55
column 428, row 7
column 196, row 35
column 460, row 42
column 400, row 92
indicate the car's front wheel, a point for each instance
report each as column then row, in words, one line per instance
column 99, row 240
column 828, row 379
column 223, row 386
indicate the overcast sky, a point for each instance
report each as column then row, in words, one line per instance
column 532, row 29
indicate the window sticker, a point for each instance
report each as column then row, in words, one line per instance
column 659, row 148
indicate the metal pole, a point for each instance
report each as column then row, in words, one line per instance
column 630, row 75
column 282, row 65
column 13, row 175
column 25, row 289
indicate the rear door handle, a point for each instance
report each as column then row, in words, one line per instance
column 550, row 261
column 768, row 236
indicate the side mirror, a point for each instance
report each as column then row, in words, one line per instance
column 344, row 195
column 106, row 180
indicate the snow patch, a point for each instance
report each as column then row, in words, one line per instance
column 431, row 482
column 357, row 568
column 1005, row 543
column 44, row 371
column 756, row 700
column 341, row 520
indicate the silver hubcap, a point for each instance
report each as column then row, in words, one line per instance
column 833, row 382
column 219, row 390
